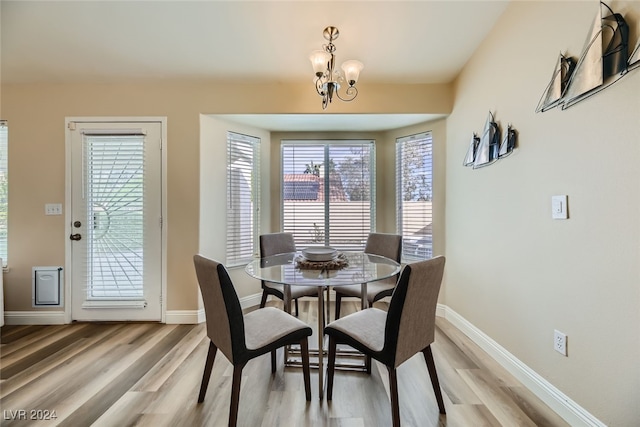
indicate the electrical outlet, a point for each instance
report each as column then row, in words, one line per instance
column 560, row 342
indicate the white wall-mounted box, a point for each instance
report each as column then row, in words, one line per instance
column 47, row 287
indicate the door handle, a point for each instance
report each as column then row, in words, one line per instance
column 75, row 237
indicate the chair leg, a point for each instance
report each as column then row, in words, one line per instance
column 326, row 313
column 338, row 302
column 431, row 366
column 211, row 357
column 393, row 389
column 367, row 364
column 273, row 360
column 297, row 308
column 235, row 395
column 331, row 366
column 304, row 349
column 263, row 301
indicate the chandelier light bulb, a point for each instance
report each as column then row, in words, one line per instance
column 319, row 60
column 352, row 70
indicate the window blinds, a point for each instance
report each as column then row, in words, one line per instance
column 113, row 182
column 414, row 191
column 328, row 192
column 243, row 197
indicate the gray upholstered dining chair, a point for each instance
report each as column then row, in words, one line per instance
column 243, row 337
column 387, row 245
column 281, row 243
column 392, row 337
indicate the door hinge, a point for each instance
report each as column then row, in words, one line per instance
column 160, row 220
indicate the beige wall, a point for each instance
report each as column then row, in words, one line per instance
column 512, row 271
column 36, row 114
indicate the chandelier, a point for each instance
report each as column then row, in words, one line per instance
column 329, row 80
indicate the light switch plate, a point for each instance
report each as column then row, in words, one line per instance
column 559, row 207
column 53, row 209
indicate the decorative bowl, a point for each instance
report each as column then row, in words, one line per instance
column 319, row 253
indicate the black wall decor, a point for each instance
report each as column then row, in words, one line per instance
column 487, row 149
column 604, row 60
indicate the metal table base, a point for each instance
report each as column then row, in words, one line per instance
column 319, row 355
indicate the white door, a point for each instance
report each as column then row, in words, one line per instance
column 116, row 220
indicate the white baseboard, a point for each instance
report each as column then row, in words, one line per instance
column 190, row 317
column 184, row 317
column 245, row 302
column 573, row 413
column 441, row 310
column 34, row 317
column 251, row 301
column 172, row 317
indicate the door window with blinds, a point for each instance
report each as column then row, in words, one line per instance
column 243, row 197
column 328, row 192
column 115, row 219
column 4, row 189
column 414, row 191
column 113, row 181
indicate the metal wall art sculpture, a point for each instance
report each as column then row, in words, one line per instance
column 487, row 149
column 471, row 152
column 508, row 143
column 558, row 85
column 634, row 59
column 604, row 60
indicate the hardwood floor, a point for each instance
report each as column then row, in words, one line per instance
column 112, row 374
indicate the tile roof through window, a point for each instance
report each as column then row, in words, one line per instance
column 309, row 187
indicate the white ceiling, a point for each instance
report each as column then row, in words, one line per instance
column 114, row 41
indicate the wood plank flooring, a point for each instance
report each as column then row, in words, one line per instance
column 114, row 374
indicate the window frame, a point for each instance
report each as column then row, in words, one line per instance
column 416, row 246
column 327, row 237
column 241, row 240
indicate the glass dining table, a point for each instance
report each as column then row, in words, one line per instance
column 354, row 268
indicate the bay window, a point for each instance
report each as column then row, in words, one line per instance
column 328, row 192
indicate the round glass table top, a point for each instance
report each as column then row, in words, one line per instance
column 286, row 269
